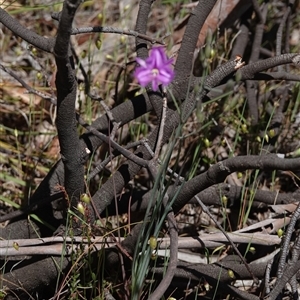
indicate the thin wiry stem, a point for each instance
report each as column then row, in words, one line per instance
column 30, row 89
column 107, row 29
column 206, row 210
column 161, row 129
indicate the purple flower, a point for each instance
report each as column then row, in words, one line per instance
column 156, row 68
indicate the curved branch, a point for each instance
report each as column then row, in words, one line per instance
column 185, row 60
column 27, row 35
column 286, row 243
column 212, row 196
column 32, row 276
column 276, row 76
column 216, row 275
column 249, row 71
column 286, row 276
column 218, row 173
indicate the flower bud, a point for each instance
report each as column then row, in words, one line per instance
column 231, row 274
column 267, row 138
column 224, row 200
column 280, row 232
column 80, row 208
column 16, row 246
column 206, row 142
column 85, row 198
column 252, row 250
column 153, row 242
column 98, row 44
column 272, row 133
column 39, row 75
